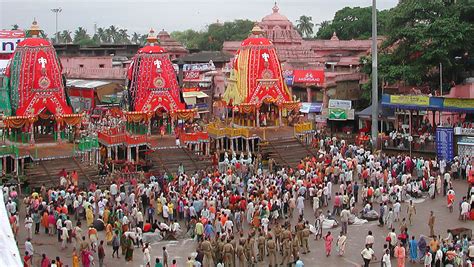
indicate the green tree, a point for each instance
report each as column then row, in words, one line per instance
column 65, row 36
column 101, row 36
column 421, row 35
column 15, row 27
column 135, row 38
column 189, row 38
column 112, row 34
column 352, row 23
column 305, row 25
column 81, row 36
column 215, row 34
column 123, row 36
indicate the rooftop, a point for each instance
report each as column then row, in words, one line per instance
column 170, row 44
column 85, row 83
column 206, row 56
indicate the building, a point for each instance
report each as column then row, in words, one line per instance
column 333, row 63
column 108, row 61
column 85, row 95
column 174, row 48
column 104, row 62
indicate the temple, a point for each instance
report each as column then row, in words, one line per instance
column 174, row 48
column 36, row 97
column 154, row 93
column 316, row 70
column 297, row 53
column 257, row 84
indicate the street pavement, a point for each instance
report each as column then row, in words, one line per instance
column 183, row 248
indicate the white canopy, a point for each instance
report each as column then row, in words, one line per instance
column 10, row 253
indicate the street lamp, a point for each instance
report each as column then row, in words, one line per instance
column 57, row 11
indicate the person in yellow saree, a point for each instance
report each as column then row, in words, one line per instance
column 109, row 234
column 89, row 216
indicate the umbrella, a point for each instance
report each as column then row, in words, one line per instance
column 99, row 225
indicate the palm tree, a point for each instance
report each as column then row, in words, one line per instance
column 112, row 33
column 142, row 39
column 81, row 34
column 65, row 37
column 123, row 36
column 305, row 25
column 135, row 38
column 102, row 36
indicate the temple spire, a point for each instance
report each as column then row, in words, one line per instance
column 151, row 39
column 257, row 31
column 34, row 29
column 275, row 8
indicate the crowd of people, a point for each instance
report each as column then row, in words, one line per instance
column 243, row 211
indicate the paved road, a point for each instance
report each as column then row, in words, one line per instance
column 181, row 249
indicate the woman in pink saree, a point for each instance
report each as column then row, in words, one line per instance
column 400, row 254
column 86, row 257
column 328, row 243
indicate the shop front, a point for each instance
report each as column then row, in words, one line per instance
column 464, row 141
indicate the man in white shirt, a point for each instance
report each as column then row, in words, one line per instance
column 59, row 225
column 369, row 240
column 29, row 248
column 28, row 226
column 165, row 212
column 367, row 255
column 68, row 224
column 113, row 190
column 386, row 262
column 64, row 237
column 229, row 226
column 396, row 211
column 428, row 259
column 345, row 213
column 465, row 208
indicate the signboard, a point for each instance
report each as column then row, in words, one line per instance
column 416, row 100
column 464, row 131
column 459, row 102
column 309, row 76
column 445, row 143
column 336, row 103
column 192, row 75
column 8, row 42
column 339, row 114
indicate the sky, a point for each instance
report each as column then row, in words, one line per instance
column 171, row 15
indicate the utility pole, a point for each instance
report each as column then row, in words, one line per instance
column 441, row 78
column 57, row 11
column 375, row 101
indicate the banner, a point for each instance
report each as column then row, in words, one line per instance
column 336, row 103
column 464, row 131
column 445, row 143
column 337, row 114
column 410, row 100
column 340, row 114
column 309, row 76
column 459, row 103
column 8, row 42
column 192, row 75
